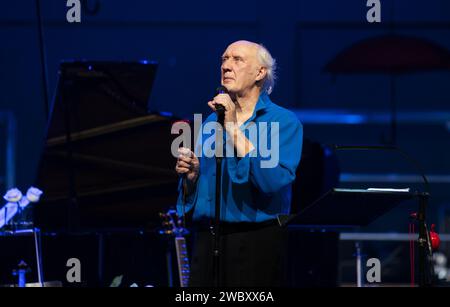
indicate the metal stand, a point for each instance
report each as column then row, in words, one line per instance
column 36, row 233
column 216, row 229
column 424, row 242
column 332, row 211
column 38, row 249
column 359, row 270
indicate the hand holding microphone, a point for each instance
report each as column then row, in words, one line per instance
column 220, row 109
column 223, row 106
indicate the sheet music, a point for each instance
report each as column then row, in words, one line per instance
column 388, row 190
column 405, row 190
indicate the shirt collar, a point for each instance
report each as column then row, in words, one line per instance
column 262, row 103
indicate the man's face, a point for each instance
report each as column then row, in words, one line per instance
column 240, row 67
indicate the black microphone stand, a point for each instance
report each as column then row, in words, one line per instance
column 43, row 58
column 216, row 230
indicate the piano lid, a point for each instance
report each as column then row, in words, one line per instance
column 107, row 163
column 100, row 93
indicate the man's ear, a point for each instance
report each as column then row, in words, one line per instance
column 261, row 74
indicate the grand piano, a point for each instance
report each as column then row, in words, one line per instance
column 106, row 163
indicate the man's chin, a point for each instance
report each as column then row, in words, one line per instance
column 231, row 91
column 227, row 86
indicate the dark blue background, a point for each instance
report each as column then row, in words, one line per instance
column 187, row 39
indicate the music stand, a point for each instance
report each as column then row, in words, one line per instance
column 36, row 233
column 349, row 208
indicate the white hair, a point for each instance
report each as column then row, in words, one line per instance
column 266, row 59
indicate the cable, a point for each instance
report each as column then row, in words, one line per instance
column 44, row 73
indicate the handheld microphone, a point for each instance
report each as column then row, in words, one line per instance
column 220, row 109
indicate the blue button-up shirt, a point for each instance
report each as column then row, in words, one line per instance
column 250, row 193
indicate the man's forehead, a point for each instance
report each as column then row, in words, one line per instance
column 242, row 48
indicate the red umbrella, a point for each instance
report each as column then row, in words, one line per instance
column 393, row 55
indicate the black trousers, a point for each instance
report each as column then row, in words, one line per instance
column 252, row 255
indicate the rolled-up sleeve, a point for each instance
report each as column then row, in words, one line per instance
column 266, row 175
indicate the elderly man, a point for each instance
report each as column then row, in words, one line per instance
column 253, row 194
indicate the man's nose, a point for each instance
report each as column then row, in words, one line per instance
column 226, row 66
column 225, row 69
